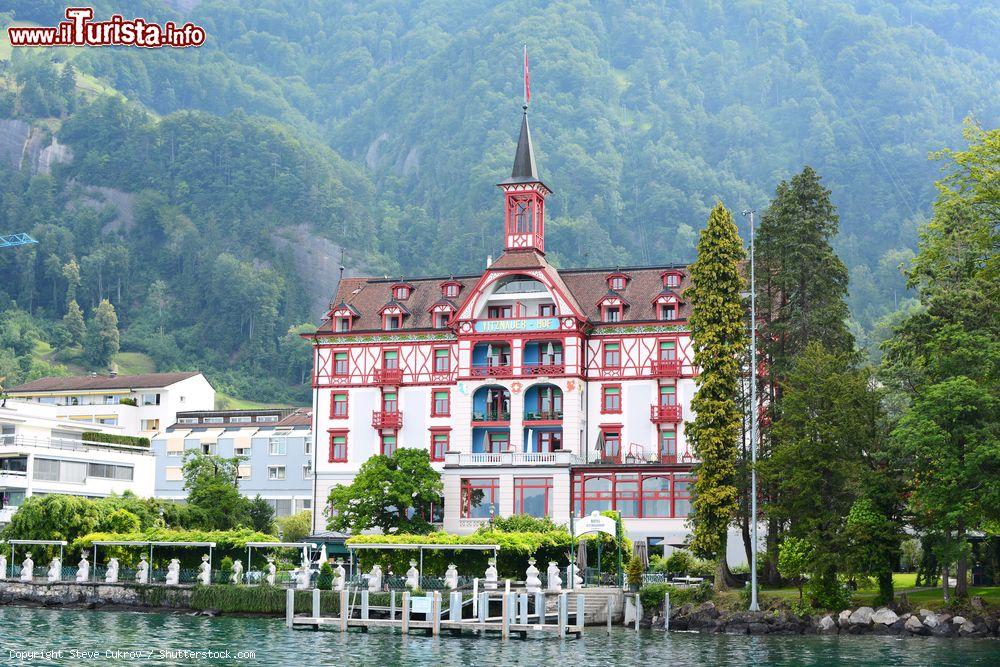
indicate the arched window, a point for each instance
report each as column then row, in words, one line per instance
column 656, row 497
column 597, row 496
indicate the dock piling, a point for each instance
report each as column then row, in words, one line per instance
column 522, row 603
column 561, row 614
column 666, row 612
column 344, row 610
column 540, row 608
column 406, row 612
column 392, row 605
column 581, row 607
column 436, row 612
column 638, row 612
column 475, row 597
column 289, row 607
column 505, row 615
column 364, row 605
column 315, row 600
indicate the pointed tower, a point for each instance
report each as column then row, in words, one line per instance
column 524, row 198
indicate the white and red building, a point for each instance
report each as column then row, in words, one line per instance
column 535, row 390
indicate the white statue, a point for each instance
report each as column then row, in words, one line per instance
column 555, row 581
column 271, row 570
column 3, row 566
column 490, row 582
column 413, row 576
column 83, row 568
column 142, row 571
column 55, row 570
column 111, row 576
column 339, row 576
column 375, row 579
column 451, row 577
column 27, row 568
column 237, row 577
column 573, row 572
column 304, row 576
column 205, row 571
column 532, row 583
column 173, row 573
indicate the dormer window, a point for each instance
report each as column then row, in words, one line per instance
column 612, row 308
column 392, row 322
column 668, row 311
column 343, row 317
column 343, row 324
column 450, row 290
column 671, row 279
column 612, row 313
column 441, row 319
column 617, row 281
column 401, row 292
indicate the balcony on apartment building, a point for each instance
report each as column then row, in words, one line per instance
column 508, row 458
column 665, row 414
column 387, row 376
column 612, row 453
column 387, row 419
column 665, row 368
column 541, row 358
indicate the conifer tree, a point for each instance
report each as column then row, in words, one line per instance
column 101, row 343
column 718, row 332
column 73, row 321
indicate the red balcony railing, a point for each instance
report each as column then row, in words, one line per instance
column 661, row 414
column 484, row 370
column 383, row 419
column 666, row 368
column 387, row 376
column 536, row 368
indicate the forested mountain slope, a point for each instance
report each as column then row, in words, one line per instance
column 643, row 112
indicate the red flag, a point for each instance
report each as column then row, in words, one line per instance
column 527, row 78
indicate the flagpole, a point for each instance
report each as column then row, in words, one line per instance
column 754, row 606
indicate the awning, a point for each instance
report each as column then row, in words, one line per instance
column 175, row 440
column 211, row 436
column 241, row 438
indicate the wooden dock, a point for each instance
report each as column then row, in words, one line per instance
column 521, row 614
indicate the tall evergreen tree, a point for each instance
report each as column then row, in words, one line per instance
column 718, row 331
column 802, row 292
column 73, row 321
column 101, row 342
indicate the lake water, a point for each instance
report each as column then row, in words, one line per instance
column 75, row 633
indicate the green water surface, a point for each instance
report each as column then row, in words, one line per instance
column 106, row 637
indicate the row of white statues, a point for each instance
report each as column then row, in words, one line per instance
column 302, row 576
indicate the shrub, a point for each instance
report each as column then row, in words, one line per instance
column 128, row 401
column 634, row 570
column 324, row 581
column 226, row 569
column 267, row 600
column 524, row 523
column 652, row 595
column 116, row 439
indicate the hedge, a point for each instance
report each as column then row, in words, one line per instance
column 231, row 543
column 115, row 439
column 266, row 599
column 652, row 595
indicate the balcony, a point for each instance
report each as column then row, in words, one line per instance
column 543, row 369
column 665, row 414
column 387, row 376
column 385, row 419
column 489, row 370
column 637, row 454
column 561, row 457
column 491, row 416
column 543, row 416
column 665, row 368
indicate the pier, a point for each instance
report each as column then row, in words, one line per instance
column 488, row 613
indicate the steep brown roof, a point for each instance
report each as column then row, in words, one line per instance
column 89, row 382
column 300, row 417
column 584, row 287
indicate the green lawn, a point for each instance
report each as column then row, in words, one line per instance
column 903, row 582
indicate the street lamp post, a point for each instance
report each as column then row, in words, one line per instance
column 754, row 606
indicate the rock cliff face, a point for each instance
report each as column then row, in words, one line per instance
column 864, row 620
column 25, row 147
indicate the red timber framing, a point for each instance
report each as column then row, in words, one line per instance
column 638, row 356
column 638, row 492
column 364, row 364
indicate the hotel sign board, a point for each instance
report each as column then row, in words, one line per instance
column 595, row 523
column 513, row 326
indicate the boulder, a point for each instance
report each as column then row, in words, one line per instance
column 972, row 629
column 977, row 602
column 931, row 619
column 884, row 616
column 924, row 613
column 827, row 626
column 707, row 609
column 958, row 620
column 736, row 628
column 844, row 619
column 862, row 616
column 757, row 629
column 914, row 626
column 944, row 630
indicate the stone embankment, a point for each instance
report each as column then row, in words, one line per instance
column 863, row 620
column 94, row 594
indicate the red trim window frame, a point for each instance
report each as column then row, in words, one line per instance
column 435, row 411
column 611, row 433
column 615, row 356
column 490, row 486
column 548, row 441
column 390, row 405
column 501, row 438
column 667, row 394
column 341, row 370
column 396, row 317
column 522, row 484
column 672, row 279
column 668, row 445
column 450, row 290
column 617, row 281
column 401, row 292
column 608, row 391
column 341, row 319
column 338, row 450
column 661, row 351
column 440, row 442
column 654, row 487
column 447, row 359
column 547, row 310
column 441, row 318
column 607, row 309
column 334, row 403
column 499, row 312
column 385, row 359
column 668, row 311
column 384, row 444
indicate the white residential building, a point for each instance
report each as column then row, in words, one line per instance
column 42, row 453
column 140, row 405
